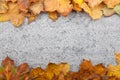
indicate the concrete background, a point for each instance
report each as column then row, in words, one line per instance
column 69, row 39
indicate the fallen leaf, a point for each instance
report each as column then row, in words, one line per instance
column 3, row 6
column 36, row 7
column 63, row 7
column 111, row 3
column 89, row 72
column 117, row 9
column 77, row 5
column 24, row 5
column 108, row 11
column 93, row 3
column 53, row 15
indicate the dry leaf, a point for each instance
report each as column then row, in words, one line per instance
column 24, row 5
column 89, row 72
column 111, row 3
column 108, row 11
column 17, row 19
column 114, row 70
column 36, row 7
column 117, row 9
column 53, row 15
column 3, row 6
column 63, row 7
column 77, row 5
column 93, row 3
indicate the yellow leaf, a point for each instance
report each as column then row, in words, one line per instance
column 55, row 70
column 63, row 7
column 3, row 6
column 111, row 3
column 114, row 71
column 117, row 57
column 77, row 4
column 36, row 7
column 93, row 3
column 17, row 19
column 53, row 15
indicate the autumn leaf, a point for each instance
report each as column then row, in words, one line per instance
column 11, row 1
column 9, row 71
column 36, row 7
column 93, row 3
column 24, row 5
column 77, row 5
column 37, row 73
column 53, row 15
column 3, row 6
column 117, row 9
column 114, row 70
column 111, row 3
column 7, row 61
column 51, row 72
column 95, row 12
column 108, row 11
column 63, row 7
column 89, row 72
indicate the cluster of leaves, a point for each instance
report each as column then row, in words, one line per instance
column 15, row 11
column 87, row 71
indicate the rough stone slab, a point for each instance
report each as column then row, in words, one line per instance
column 68, row 39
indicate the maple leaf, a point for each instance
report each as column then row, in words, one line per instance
column 9, row 71
column 24, row 5
column 77, row 4
column 51, row 72
column 108, row 11
column 37, row 73
column 93, row 3
column 117, row 9
column 63, row 7
column 89, row 72
column 3, row 6
column 53, row 15
column 7, row 61
column 95, row 12
column 111, row 3
column 36, row 7
column 11, row 1
column 17, row 19
column 114, row 70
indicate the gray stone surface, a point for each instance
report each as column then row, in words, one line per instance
column 68, row 39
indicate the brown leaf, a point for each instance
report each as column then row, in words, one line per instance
column 24, row 5
column 23, row 68
column 7, row 61
column 89, row 72
column 53, row 15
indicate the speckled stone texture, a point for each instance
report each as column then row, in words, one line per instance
column 69, row 39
